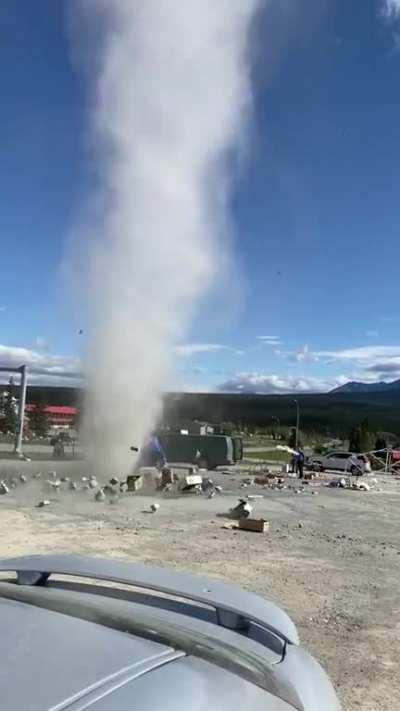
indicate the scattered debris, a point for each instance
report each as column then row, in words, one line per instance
column 300, row 525
column 218, row 489
column 230, row 525
column 361, row 486
column 338, row 483
column 255, row 496
column 114, row 480
column 93, row 483
column 134, row 482
column 100, row 495
column 154, row 507
column 242, row 510
column 22, row 478
column 207, row 485
column 44, row 502
column 168, row 477
column 192, row 483
column 37, row 475
column 211, row 494
column 193, row 480
column 4, row 488
column 64, row 479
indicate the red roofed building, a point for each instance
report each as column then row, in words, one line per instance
column 59, row 415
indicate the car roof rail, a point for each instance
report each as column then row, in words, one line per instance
column 235, row 608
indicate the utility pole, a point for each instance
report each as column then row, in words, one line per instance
column 297, row 422
column 21, row 411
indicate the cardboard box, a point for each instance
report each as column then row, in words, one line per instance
column 258, row 525
column 134, row 482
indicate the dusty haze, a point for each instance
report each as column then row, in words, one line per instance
column 170, row 90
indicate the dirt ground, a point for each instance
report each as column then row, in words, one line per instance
column 332, row 560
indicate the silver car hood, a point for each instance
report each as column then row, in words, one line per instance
column 48, row 659
column 52, row 662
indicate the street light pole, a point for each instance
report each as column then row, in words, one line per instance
column 297, row 422
column 21, row 411
column 21, row 405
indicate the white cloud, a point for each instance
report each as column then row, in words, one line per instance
column 390, row 13
column 383, row 360
column 189, row 349
column 41, row 366
column 303, row 355
column 279, row 384
column 362, row 354
column 390, row 10
column 270, row 340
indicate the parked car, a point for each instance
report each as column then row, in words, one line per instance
column 191, row 642
column 356, row 464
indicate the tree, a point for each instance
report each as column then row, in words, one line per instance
column 39, row 422
column 9, row 413
column 361, row 439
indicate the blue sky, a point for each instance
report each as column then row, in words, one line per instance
column 315, row 211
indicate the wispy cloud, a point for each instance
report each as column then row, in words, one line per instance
column 3, row 308
column 240, row 353
column 362, row 354
column 270, row 340
column 270, row 384
column 41, row 366
column 363, row 360
column 367, row 359
column 189, row 349
column 372, row 334
column 390, row 10
column 304, row 355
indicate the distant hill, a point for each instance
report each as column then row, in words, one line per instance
column 356, row 387
column 330, row 413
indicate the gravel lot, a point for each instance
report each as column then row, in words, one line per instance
column 337, row 573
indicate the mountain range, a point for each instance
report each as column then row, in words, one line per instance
column 356, row 387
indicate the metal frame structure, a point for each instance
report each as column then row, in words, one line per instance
column 22, row 370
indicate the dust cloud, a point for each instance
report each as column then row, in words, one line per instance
column 170, row 95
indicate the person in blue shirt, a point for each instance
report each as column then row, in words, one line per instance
column 153, row 453
column 300, row 459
